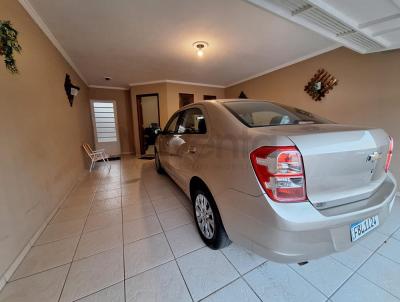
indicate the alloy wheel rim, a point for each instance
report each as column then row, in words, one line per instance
column 204, row 216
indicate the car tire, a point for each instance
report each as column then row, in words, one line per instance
column 157, row 162
column 204, row 205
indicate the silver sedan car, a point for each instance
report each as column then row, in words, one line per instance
column 280, row 181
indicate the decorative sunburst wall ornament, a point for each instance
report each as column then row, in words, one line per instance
column 320, row 84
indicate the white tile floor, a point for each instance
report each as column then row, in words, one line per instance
column 128, row 235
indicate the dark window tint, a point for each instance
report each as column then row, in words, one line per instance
column 192, row 122
column 171, row 125
column 261, row 114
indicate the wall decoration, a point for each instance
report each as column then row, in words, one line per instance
column 320, row 84
column 242, row 95
column 8, row 45
column 70, row 89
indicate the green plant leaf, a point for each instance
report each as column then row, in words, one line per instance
column 8, row 45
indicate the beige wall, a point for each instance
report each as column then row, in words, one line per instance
column 168, row 100
column 368, row 92
column 124, row 112
column 40, row 135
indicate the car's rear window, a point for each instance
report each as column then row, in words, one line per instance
column 262, row 114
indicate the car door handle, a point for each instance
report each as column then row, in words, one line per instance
column 192, row 149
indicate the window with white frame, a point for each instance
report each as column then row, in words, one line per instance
column 105, row 123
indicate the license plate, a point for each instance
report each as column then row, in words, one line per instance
column 359, row 229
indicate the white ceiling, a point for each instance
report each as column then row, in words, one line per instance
column 363, row 25
column 136, row 41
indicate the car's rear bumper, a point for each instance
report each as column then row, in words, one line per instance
column 298, row 232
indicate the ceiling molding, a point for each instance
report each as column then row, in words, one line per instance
column 177, row 82
column 147, row 83
column 298, row 60
column 42, row 25
column 108, row 87
column 195, row 84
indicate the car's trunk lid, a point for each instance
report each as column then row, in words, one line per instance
column 342, row 163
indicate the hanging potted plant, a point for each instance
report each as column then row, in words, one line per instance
column 9, row 45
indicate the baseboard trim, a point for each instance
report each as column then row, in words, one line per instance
column 14, row 265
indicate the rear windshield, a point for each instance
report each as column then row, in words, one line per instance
column 261, row 114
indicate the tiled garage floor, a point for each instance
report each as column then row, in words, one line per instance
column 128, row 235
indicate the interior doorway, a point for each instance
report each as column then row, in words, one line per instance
column 149, row 121
column 185, row 99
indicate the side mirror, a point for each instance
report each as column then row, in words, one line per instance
column 158, row 131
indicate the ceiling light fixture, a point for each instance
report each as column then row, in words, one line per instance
column 200, row 46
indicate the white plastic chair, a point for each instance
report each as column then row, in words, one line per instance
column 96, row 155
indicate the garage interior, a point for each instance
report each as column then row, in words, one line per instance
column 122, row 232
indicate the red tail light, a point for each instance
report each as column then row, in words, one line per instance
column 280, row 172
column 389, row 155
